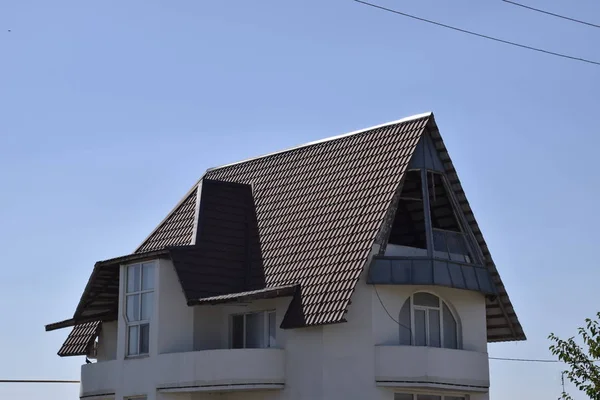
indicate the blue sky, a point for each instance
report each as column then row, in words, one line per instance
column 111, row 111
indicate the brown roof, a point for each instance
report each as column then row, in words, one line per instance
column 80, row 339
column 317, row 210
column 175, row 230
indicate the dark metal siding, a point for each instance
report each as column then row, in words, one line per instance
column 226, row 258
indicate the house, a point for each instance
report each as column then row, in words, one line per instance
column 347, row 268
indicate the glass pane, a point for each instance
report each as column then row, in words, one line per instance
column 439, row 243
column 456, row 275
column 380, row 271
column 403, row 396
column 450, row 329
column 132, row 340
column 457, row 247
column 434, row 329
column 237, row 332
column 133, row 278
column 454, row 398
column 147, row 305
column 428, row 397
column 147, row 276
column 133, row 307
column 254, row 331
column 426, row 299
column 272, row 329
column 401, row 271
column 420, row 333
column 441, row 276
column 404, row 320
column 144, row 338
column 422, row 272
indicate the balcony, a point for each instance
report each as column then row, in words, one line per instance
column 197, row 371
column 431, row 367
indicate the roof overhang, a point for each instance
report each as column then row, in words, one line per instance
column 261, row 294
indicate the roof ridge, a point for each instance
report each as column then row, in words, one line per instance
column 327, row 139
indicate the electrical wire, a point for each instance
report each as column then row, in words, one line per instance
column 524, row 360
column 495, row 39
column 550, row 13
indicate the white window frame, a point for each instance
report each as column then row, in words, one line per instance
column 440, row 309
column 141, row 322
column 266, row 315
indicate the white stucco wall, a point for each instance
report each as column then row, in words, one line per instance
column 107, row 342
column 326, row 362
column 176, row 328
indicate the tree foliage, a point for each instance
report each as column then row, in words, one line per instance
column 581, row 360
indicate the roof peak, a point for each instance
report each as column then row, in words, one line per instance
column 328, row 139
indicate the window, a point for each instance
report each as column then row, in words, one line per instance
column 409, row 396
column 426, row 320
column 139, row 306
column 253, row 330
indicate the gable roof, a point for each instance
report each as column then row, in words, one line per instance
column 318, row 211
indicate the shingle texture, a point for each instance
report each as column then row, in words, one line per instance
column 80, row 339
column 176, row 230
column 319, row 208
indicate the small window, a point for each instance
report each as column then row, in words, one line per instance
column 426, row 320
column 139, row 307
column 253, row 330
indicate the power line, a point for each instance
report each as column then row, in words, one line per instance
column 495, row 39
column 550, row 13
column 524, row 360
column 36, row 381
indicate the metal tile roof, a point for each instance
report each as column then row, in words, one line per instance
column 176, row 229
column 80, row 339
column 319, row 208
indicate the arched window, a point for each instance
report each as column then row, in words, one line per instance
column 426, row 320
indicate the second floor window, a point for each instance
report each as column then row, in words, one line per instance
column 253, row 330
column 426, row 320
column 139, row 306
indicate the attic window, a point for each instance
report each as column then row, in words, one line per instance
column 413, row 227
column 408, row 228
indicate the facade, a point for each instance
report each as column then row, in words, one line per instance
column 348, row 268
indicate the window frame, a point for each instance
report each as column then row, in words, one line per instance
column 141, row 322
column 440, row 309
column 266, row 328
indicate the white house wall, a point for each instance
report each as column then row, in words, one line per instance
column 324, row 362
column 107, row 342
column 176, row 327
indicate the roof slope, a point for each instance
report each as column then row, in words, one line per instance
column 319, row 208
column 177, row 228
